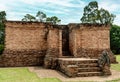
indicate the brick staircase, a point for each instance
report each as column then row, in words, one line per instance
column 79, row 67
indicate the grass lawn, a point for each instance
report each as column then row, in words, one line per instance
column 22, row 75
column 118, row 58
column 116, row 67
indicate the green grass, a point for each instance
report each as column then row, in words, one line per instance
column 116, row 80
column 118, row 58
column 115, row 67
column 22, row 75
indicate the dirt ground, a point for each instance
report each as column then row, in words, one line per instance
column 49, row 73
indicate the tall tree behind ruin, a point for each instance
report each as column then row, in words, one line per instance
column 2, row 19
column 2, row 28
column 93, row 15
column 41, row 16
column 29, row 17
column 115, row 39
column 53, row 19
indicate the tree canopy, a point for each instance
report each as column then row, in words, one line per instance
column 2, row 16
column 29, row 17
column 2, row 19
column 2, row 28
column 92, row 14
column 115, row 39
column 53, row 19
column 41, row 17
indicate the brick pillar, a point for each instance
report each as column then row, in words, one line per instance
column 52, row 54
column 75, row 46
column 60, row 43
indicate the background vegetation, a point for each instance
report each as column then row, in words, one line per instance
column 41, row 17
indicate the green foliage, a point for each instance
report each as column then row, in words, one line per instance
column 28, row 17
column 115, row 39
column 118, row 58
column 92, row 14
column 1, row 48
column 2, row 33
column 41, row 16
column 53, row 19
column 2, row 16
column 2, row 28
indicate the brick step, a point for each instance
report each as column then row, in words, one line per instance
column 89, row 69
column 86, row 61
column 88, row 65
column 79, row 67
column 66, row 56
column 77, row 61
column 86, row 74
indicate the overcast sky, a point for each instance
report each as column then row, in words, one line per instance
column 67, row 10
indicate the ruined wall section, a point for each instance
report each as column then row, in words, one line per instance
column 72, row 39
column 94, row 39
column 25, row 43
column 90, row 40
column 24, row 36
column 53, row 50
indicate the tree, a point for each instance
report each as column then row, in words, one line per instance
column 93, row 15
column 53, row 19
column 2, row 28
column 29, row 17
column 115, row 39
column 90, row 13
column 2, row 16
column 41, row 16
column 105, row 17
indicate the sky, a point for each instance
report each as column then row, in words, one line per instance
column 69, row 11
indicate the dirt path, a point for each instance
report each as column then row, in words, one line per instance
column 48, row 73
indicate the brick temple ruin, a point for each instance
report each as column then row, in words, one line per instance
column 73, row 49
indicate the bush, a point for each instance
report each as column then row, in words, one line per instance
column 115, row 39
column 1, row 48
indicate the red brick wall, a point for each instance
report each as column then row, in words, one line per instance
column 25, row 43
column 87, row 40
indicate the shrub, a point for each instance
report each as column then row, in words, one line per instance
column 1, row 48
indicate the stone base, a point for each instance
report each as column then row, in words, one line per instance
column 50, row 63
column 106, row 70
column 50, row 60
column 1, row 62
column 23, row 57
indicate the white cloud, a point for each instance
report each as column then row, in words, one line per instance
column 113, row 7
column 3, row 7
column 117, row 19
column 109, row 5
column 65, row 3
